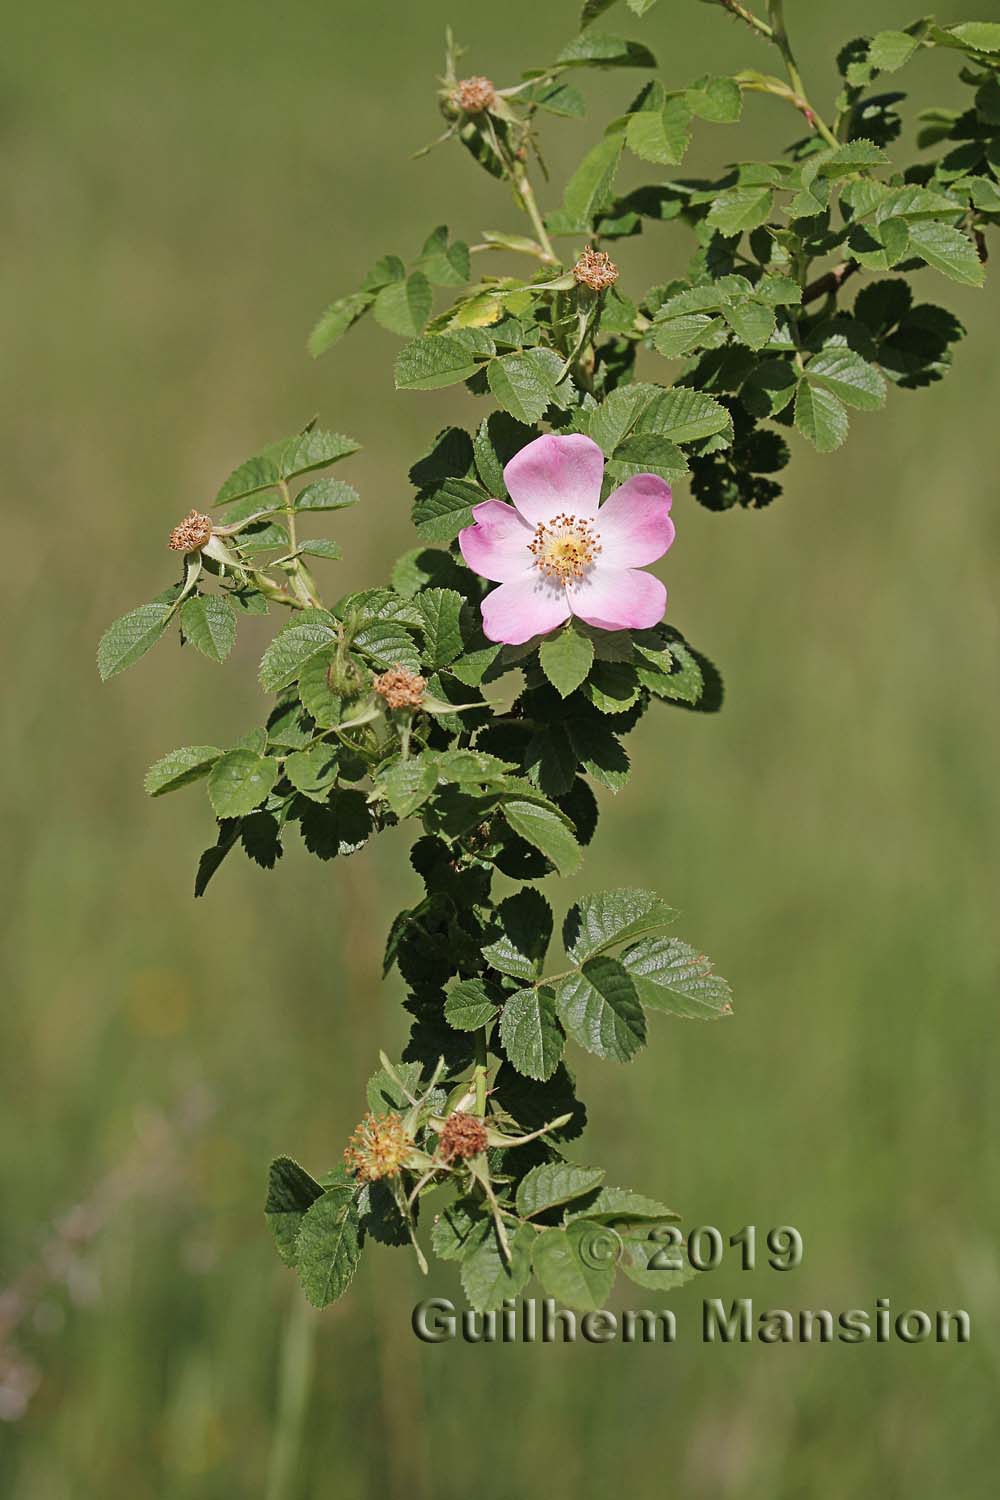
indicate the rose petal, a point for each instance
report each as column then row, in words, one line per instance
column 496, row 547
column 555, row 474
column 523, row 607
column 618, row 599
column 634, row 522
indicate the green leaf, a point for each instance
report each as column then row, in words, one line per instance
column 404, row 306
column 387, row 644
column 442, row 359
column 467, row 1006
column 131, row 637
column 600, row 1009
column 283, row 460
column 948, row 250
column 661, row 135
column 383, row 1092
column 525, row 383
column 640, row 1252
column 820, row 417
column 328, row 1247
column 980, row 36
column 852, row 157
column 613, row 687
column 318, row 698
column 439, row 515
column 671, row 976
column 889, row 50
column 336, row 320
column 598, row 923
column 552, row 1183
column 752, row 322
column 212, row 858
column 591, row 187
column 291, row 1192
column 615, row 1205
column 556, row 99
column 340, row 826
column 769, row 387
column 457, row 1230
column 741, row 208
column 442, row 610
column 566, row 658
column 240, row 781
column 847, row 375
column 577, row 1264
column 209, row 623
column 531, row 1034
column 545, row 829
column 314, row 771
column 596, row 49
column 487, row 1277
column 326, row 494
column 526, row 920
column 651, row 454
column 444, row 264
column 407, row 784
column 684, row 416
column 673, row 337
column 668, row 667
column 180, row 768
column 718, row 100
column 599, row 751
column 292, row 646
column 321, row 546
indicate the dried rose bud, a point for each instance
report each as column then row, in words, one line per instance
column 596, row 269
column 378, row 1148
column 400, row 688
column 474, row 95
column 193, row 533
column 462, row 1136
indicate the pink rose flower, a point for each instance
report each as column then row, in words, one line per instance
column 558, row 552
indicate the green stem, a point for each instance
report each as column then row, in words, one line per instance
column 779, row 36
column 479, row 1073
column 526, row 193
column 744, row 14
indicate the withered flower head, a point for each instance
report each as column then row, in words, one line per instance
column 378, row 1148
column 596, row 269
column 400, row 688
column 462, row 1136
column 474, row 95
column 192, row 534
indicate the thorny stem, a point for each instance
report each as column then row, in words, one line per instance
column 526, row 193
column 779, row 35
column 741, row 11
column 521, row 183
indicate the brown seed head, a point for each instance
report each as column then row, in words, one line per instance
column 401, row 688
column 377, row 1148
column 474, row 95
column 462, row 1136
column 192, row 533
column 596, row 269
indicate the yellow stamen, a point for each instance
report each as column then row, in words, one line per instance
column 564, row 548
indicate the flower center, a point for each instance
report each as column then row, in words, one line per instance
column 564, row 548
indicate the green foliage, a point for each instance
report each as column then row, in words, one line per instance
column 391, row 706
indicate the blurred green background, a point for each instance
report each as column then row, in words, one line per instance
column 185, row 187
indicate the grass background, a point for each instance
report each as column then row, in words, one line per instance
column 185, row 187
